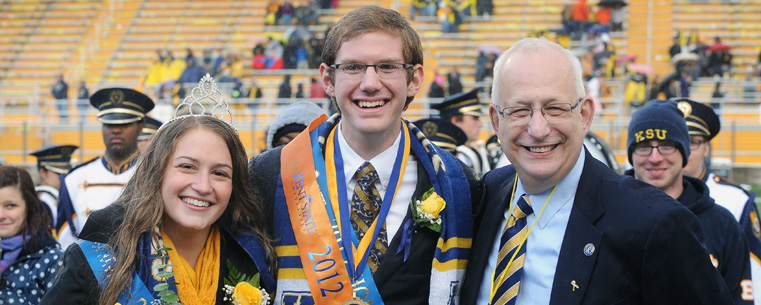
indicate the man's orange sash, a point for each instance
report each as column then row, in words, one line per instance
column 316, row 237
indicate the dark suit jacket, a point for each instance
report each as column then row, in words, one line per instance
column 648, row 248
column 398, row 282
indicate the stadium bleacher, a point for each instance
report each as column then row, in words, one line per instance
column 112, row 43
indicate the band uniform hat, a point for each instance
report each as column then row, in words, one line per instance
column 659, row 120
column 150, row 128
column 460, row 103
column 120, row 105
column 701, row 119
column 55, row 158
column 442, row 133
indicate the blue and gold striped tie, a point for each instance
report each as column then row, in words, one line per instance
column 365, row 205
column 515, row 231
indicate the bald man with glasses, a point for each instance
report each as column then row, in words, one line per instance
column 559, row 227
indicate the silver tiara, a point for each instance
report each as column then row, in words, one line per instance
column 205, row 93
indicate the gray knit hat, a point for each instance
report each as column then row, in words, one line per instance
column 298, row 113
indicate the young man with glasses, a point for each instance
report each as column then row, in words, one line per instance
column 351, row 188
column 703, row 125
column 559, row 227
column 659, row 146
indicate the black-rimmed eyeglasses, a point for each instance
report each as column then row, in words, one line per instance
column 645, row 149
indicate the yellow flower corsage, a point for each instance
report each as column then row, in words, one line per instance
column 426, row 211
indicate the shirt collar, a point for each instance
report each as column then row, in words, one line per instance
column 565, row 193
column 383, row 162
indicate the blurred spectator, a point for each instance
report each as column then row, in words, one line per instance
column 315, row 57
column 617, row 18
column 719, row 59
column 155, row 71
column 290, row 122
column 219, row 60
column 635, row 92
column 580, row 17
column 485, row 8
column 274, row 54
column 654, row 89
column 717, row 97
column 83, row 100
column 594, row 88
column 235, row 64
column 226, row 77
column 254, row 94
column 566, row 17
column 189, row 55
column 60, row 92
column 301, row 57
column 287, row 11
column 238, row 92
column 749, row 87
column 453, row 80
column 466, row 8
column 300, row 91
column 449, row 17
column 289, row 55
column 191, row 75
column 307, row 14
column 273, row 10
column 207, row 62
column 284, row 91
column 481, row 66
column 437, row 86
column 685, row 81
column 426, row 8
column 260, row 61
column 316, row 90
column 603, row 16
column 676, row 48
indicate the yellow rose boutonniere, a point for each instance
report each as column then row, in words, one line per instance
column 426, row 210
column 242, row 290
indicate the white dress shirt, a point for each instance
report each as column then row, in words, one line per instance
column 383, row 163
column 544, row 240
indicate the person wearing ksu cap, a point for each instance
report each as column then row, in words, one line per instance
column 464, row 111
column 703, row 125
column 52, row 162
column 97, row 183
column 150, row 127
column 658, row 148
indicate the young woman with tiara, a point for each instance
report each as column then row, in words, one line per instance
column 187, row 228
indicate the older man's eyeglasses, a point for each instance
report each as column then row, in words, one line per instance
column 384, row 70
column 549, row 111
column 645, row 149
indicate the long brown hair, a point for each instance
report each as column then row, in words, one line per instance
column 37, row 223
column 143, row 206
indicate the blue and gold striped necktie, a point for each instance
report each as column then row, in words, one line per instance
column 514, row 233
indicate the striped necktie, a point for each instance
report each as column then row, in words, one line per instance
column 365, row 205
column 515, row 231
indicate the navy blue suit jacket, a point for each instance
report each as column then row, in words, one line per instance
column 648, row 248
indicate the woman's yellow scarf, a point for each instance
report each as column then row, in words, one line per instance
column 199, row 286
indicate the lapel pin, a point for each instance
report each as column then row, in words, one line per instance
column 589, row 249
column 573, row 284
